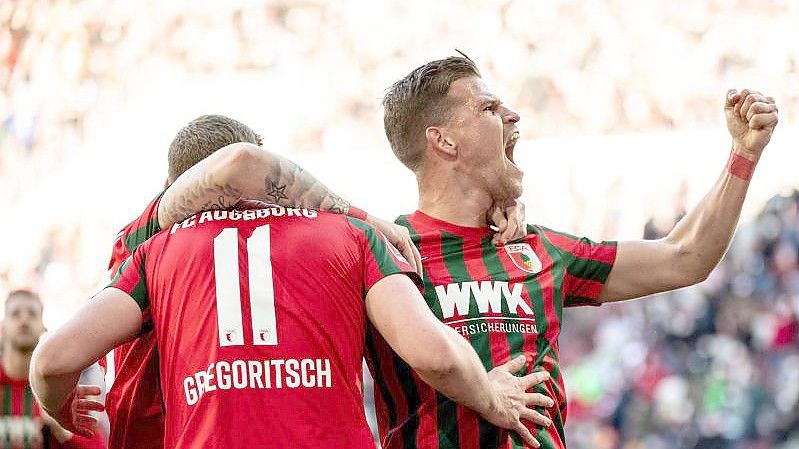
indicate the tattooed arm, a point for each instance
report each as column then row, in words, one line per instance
column 244, row 171
column 247, row 171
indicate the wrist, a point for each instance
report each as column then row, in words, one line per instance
column 741, row 166
column 743, row 152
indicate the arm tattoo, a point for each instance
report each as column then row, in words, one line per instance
column 290, row 186
column 276, row 192
column 201, row 194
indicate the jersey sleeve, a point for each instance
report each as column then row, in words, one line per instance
column 131, row 279
column 380, row 258
column 588, row 264
column 134, row 234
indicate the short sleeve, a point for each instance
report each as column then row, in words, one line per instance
column 131, row 279
column 134, row 234
column 380, row 258
column 588, row 265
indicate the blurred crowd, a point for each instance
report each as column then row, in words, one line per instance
column 712, row 366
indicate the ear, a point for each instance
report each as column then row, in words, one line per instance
column 440, row 143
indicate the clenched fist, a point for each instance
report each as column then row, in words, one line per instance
column 751, row 118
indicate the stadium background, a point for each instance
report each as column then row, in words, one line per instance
column 622, row 128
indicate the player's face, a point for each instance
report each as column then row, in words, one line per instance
column 485, row 134
column 22, row 324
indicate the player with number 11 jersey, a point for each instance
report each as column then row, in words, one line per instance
column 258, row 318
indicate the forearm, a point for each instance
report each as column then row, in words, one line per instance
column 702, row 237
column 59, row 359
column 52, row 391
column 245, row 171
column 465, row 381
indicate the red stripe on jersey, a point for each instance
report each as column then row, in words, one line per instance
column 581, row 249
column 547, row 283
column 17, row 397
column 545, row 280
column 427, row 434
column 548, row 364
column 529, row 345
column 468, row 421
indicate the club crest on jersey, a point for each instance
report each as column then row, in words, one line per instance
column 524, row 257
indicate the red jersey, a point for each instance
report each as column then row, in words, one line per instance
column 506, row 301
column 133, row 402
column 21, row 425
column 259, row 317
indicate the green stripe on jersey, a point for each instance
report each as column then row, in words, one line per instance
column 378, row 248
column 542, row 344
column 27, row 407
column 452, row 251
column 403, row 371
column 6, row 400
column 139, row 291
column 27, row 410
column 142, row 234
column 489, row 435
column 578, row 266
column 589, row 269
column 6, row 412
column 495, row 271
column 430, row 298
column 390, row 404
column 558, row 272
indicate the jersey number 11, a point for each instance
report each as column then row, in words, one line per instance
column 228, row 290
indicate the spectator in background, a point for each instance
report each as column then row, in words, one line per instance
column 24, row 425
column 712, row 366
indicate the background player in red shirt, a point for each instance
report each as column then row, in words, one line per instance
column 23, row 425
column 260, row 328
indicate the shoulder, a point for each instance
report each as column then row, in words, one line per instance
column 144, row 223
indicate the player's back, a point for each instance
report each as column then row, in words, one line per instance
column 259, row 317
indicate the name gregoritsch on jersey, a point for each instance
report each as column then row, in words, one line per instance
column 243, row 215
column 258, row 374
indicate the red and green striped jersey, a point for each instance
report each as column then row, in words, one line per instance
column 506, row 301
column 21, row 425
column 133, row 402
column 260, row 321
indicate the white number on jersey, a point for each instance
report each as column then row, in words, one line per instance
column 228, row 290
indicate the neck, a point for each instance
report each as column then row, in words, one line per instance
column 446, row 197
column 16, row 364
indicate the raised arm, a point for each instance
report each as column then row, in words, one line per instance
column 110, row 318
column 247, row 171
column 697, row 243
column 447, row 362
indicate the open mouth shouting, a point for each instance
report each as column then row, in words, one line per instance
column 510, row 144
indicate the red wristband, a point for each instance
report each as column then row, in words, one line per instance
column 354, row 212
column 740, row 166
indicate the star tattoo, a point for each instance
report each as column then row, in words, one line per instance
column 277, row 192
